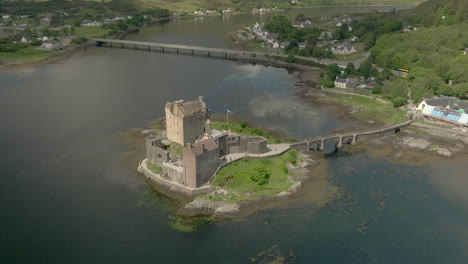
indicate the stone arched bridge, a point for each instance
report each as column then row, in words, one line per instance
column 318, row 143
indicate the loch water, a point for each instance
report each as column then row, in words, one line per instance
column 67, row 195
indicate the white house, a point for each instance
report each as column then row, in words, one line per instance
column 88, row 23
column 275, row 45
column 448, row 109
column 24, row 40
column 341, row 82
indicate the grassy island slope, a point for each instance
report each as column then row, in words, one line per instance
column 250, row 179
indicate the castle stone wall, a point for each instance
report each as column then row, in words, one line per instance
column 194, row 127
column 256, row 145
column 174, row 123
column 176, row 173
column 246, row 144
column 155, row 154
column 207, row 164
column 190, row 168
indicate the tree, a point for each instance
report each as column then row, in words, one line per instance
column 385, row 74
column 292, row 45
column 367, row 70
column 55, row 21
column 332, row 71
column 291, row 59
column 350, row 69
column 398, row 101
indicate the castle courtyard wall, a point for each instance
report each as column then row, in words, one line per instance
column 176, row 173
column 156, row 155
column 207, row 164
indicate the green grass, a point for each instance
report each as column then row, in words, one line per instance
column 370, row 109
column 240, row 178
column 242, row 127
column 91, row 32
column 153, row 167
column 176, row 150
column 26, row 54
column 348, row 57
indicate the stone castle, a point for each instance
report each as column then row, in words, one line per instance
column 190, row 152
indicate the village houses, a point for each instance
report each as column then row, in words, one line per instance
column 343, row 49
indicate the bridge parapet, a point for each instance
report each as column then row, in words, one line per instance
column 352, row 136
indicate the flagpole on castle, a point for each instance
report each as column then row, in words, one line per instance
column 227, row 115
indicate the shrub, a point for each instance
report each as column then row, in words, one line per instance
column 243, row 124
column 79, row 40
column 291, row 59
column 261, row 176
column 398, row 101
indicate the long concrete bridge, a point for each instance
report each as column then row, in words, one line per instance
column 318, row 143
column 204, row 51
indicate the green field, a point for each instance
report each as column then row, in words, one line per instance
column 370, row 109
column 250, row 179
column 25, row 55
column 91, row 32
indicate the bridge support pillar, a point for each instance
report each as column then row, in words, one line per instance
column 192, row 52
column 110, row 44
column 354, row 139
column 122, row 45
column 340, row 142
column 208, row 54
column 322, row 145
column 162, row 49
column 177, row 50
column 225, row 57
column 149, row 48
column 135, row 46
column 308, row 145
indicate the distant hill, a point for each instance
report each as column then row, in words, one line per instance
column 186, row 5
column 437, row 12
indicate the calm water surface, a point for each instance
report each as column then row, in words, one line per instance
column 67, row 196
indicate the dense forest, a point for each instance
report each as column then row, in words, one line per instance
column 434, row 53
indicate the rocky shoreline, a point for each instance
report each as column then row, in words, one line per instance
column 210, row 206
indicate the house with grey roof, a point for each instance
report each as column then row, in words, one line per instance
column 343, row 49
column 447, row 109
column 341, row 82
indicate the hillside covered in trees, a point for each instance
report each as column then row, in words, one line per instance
column 434, row 53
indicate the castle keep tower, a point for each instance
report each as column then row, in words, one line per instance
column 186, row 121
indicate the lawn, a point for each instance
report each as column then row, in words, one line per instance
column 250, row 179
column 91, row 32
column 370, row 109
column 26, row 54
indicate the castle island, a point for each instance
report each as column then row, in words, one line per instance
column 188, row 154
